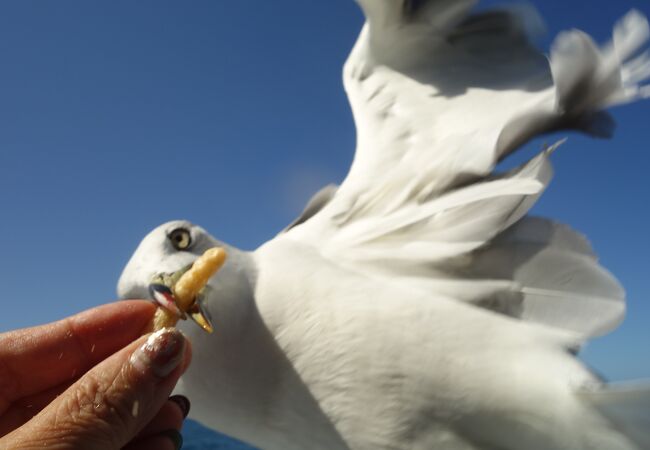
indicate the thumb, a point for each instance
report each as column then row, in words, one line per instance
column 109, row 405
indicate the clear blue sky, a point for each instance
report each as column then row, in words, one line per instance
column 116, row 116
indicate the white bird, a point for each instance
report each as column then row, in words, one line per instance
column 417, row 306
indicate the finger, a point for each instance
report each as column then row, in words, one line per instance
column 167, row 440
column 35, row 359
column 114, row 401
column 23, row 410
column 170, row 417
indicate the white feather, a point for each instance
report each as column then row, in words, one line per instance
column 435, row 114
column 418, row 307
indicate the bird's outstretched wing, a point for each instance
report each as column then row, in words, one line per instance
column 440, row 96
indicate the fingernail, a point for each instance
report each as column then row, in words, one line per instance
column 183, row 403
column 175, row 437
column 161, row 354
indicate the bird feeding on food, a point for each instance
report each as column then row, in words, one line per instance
column 179, row 293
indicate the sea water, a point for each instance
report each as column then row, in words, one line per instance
column 198, row 437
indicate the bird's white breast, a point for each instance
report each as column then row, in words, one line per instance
column 366, row 364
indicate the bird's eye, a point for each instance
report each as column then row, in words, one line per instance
column 180, row 238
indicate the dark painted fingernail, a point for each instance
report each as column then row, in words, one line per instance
column 175, row 437
column 161, row 354
column 183, row 403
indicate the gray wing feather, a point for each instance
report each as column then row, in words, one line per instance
column 627, row 406
column 558, row 275
column 314, row 205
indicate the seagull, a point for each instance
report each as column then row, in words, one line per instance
column 417, row 305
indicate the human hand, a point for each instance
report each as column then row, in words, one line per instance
column 90, row 382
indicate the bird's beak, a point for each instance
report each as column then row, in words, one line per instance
column 162, row 293
column 163, row 296
column 200, row 316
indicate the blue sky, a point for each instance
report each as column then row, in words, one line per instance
column 117, row 116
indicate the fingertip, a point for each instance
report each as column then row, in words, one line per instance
column 161, row 355
column 142, row 309
column 117, row 311
column 136, row 305
column 183, row 404
column 187, row 356
column 107, row 328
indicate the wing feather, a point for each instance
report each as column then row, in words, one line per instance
column 557, row 274
column 439, row 97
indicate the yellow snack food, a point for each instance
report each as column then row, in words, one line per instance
column 195, row 279
column 187, row 288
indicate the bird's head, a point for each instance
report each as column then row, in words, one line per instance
column 162, row 256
